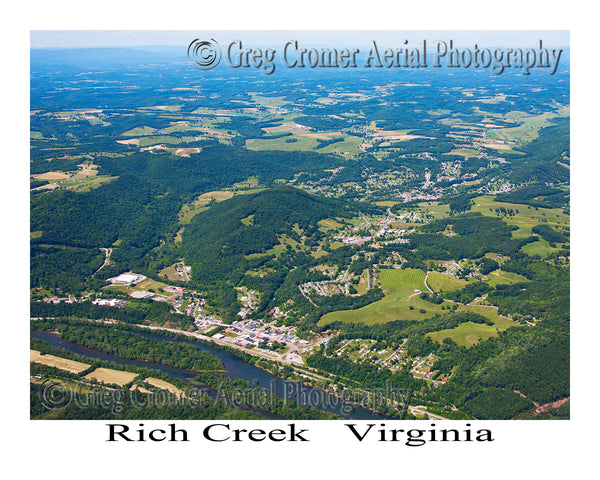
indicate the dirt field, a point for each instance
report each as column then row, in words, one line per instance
column 51, row 176
column 87, row 170
column 130, row 141
column 107, row 375
column 62, row 363
column 156, row 382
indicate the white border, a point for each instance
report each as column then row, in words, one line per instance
column 58, row 449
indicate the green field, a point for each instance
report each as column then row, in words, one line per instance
column 329, row 223
column 304, row 143
column 138, row 131
column 466, row 334
column 527, row 131
column 491, row 313
column 496, row 278
column 438, row 211
column 189, row 210
column 465, row 152
column 440, row 281
column 527, row 217
column 541, row 248
column 399, row 287
column 469, row 333
column 276, row 250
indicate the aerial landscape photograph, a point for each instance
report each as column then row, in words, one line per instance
column 300, row 225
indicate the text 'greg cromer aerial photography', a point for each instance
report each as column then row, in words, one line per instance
column 300, row 225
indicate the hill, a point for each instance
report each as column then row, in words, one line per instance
column 218, row 241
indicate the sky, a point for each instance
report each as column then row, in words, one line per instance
column 132, row 38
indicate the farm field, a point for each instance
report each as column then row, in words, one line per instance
column 527, row 131
column 527, row 217
column 304, row 142
column 399, row 287
column 466, row 334
column 439, row 281
column 199, row 204
column 57, row 362
column 500, row 277
column 108, row 375
column 158, row 383
column 491, row 313
column 438, row 211
column 541, row 247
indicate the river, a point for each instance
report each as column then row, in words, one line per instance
column 235, row 368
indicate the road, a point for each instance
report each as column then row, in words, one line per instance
column 287, row 358
column 107, row 252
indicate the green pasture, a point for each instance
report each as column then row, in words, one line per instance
column 527, row 217
column 439, row 281
column 437, row 210
column 399, row 287
column 466, row 334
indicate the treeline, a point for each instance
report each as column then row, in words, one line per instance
column 549, row 234
column 533, row 361
column 64, row 268
column 138, row 311
column 216, row 241
column 391, row 334
column 134, row 345
column 242, row 394
column 541, row 196
column 540, row 165
column 128, row 209
column 475, row 236
column 217, row 166
column 364, row 374
column 123, row 404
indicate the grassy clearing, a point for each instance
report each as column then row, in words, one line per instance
column 469, row 333
column 189, row 210
column 276, row 251
column 466, row 334
column 329, row 223
column 465, row 152
column 248, row 221
column 527, row 131
column 138, row 131
column 57, row 362
column 439, row 281
column 437, row 210
column 527, row 217
column 302, row 143
column 169, row 273
column 541, row 248
column 497, row 278
column 86, row 184
column 108, row 375
column 399, row 287
column 156, row 382
column 166, row 139
column 150, row 284
column 269, row 102
column 348, row 146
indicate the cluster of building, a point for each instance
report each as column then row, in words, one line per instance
column 110, row 302
column 252, row 333
column 249, row 300
column 325, row 288
column 127, row 278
